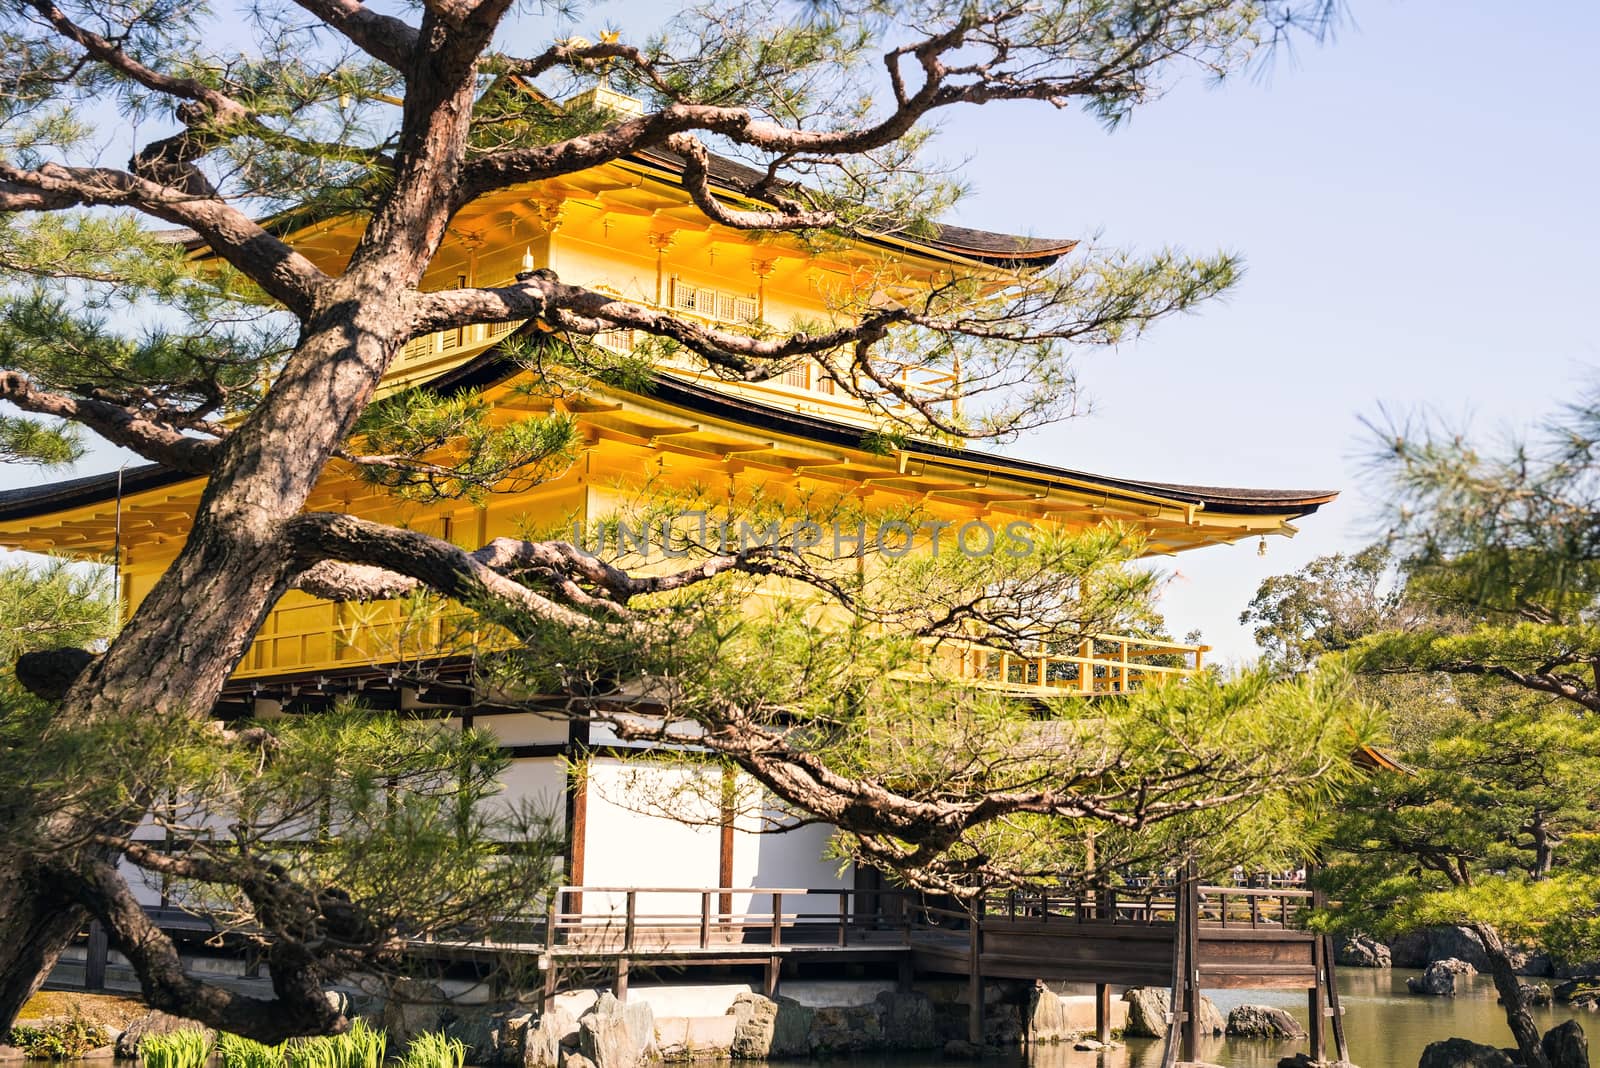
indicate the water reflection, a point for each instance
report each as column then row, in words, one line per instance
column 1388, row 1027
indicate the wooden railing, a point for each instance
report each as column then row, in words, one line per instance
column 632, row 919
column 1281, row 907
column 1101, row 664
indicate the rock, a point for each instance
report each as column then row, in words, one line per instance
column 411, row 1008
column 1410, row 950
column 961, row 1050
column 109, row 1051
column 1263, row 1021
column 1456, row 943
column 1047, row 1016
column 544, row 1037
column 154, row 1022
column 1303, row 1060
column 1149, row 1007
column 1359, row 950
column 1092, row 1045
column 770, row 1028
column 576, row 1060
column 1538, row 964
column 617, row 1035
column 1532, row 994
column 1565, row 1046
column 478, row 1028
column 1580, row 993
column 1439, row 979
column 1578, row 969
column 338, row 1001
column 907, row 1020
column 1461, row 1053
column 10, row 1053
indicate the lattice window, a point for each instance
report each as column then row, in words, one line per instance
column 713, row 304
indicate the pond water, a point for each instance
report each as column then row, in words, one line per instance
column 1387, row 1025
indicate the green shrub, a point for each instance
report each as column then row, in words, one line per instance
column 244, row 1053
column 433, row 1050
column 359, row 1047
column 59, row 1040
column 176, row 1049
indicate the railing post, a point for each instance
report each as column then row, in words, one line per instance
column 705, row 919
column 844, row 917
column 630, row 919
column 975, row 972
column 1086, row 666
column 777, row 919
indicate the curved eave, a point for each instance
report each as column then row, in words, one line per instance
column 1245, row 512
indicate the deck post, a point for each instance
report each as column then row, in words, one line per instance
column 1316, row 1012
column 1102, row 1012
column 1341, row 1048
column 774, row 972
column 95, row 957
column 620, row 986
column 975, row 972
column 548, row 961
column 1189, row 931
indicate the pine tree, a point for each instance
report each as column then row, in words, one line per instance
column 260, row 369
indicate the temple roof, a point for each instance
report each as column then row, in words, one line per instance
column 491, row 368
column 986, row 246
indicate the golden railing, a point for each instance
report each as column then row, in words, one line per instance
column 318, row 635
column 1099, row 664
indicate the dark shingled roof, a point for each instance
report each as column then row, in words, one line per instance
column 490, row 368
column 1002, row 250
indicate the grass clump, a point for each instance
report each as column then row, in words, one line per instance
column 176, row 1049
column 246, row 1053
column 433, row 1050
column 359, row 1047
column 58, row 1040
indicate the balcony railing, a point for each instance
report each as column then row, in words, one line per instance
column 1099, row 665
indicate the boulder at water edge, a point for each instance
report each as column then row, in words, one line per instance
column 154, row 1022
column 1362, row 951
column 1149, row 1007
column 543, row 1038
column 617, row 1035
column 1462, row 1053
column 1263, row 1021
column 1439, row 979
column 1565, row 1046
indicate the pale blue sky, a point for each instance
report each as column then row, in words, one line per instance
column 1415, row 204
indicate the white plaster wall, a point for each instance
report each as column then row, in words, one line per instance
column 629, row 842
column 524, row 728
column 791, row 860
column 539, row 782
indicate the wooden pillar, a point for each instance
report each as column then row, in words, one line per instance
column 548, row 962
column 1341, row 1047
column 725, row 845
column 95, row 955
column 1189, row 927
column 905, row 973
column 774, row 973
column 1314, row 1004
column 975, row 973
column 577, row 790
column 1102, row 1012
column 620, row 986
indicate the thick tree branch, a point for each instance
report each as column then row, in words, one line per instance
column 299, row 1008
column 383, row 37
column 283, row 273
column 542, row 295
column 791, row 214
column 118, row 425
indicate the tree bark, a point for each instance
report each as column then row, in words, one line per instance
column 36, row 924
column 1509, row 985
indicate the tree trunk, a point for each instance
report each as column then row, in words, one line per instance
column 36, row 923
column 1509, row 985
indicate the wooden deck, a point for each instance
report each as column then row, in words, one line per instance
column 1184, row 936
